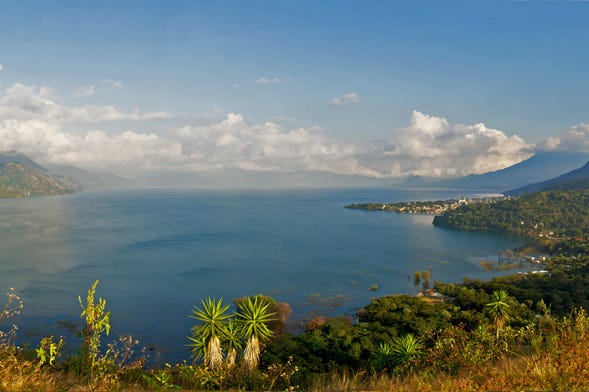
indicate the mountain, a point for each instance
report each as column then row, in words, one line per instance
column 90, row 180
column 540, row 167
column 416, row 182
column 22, row 159
column 575, row 179
column 20, row 177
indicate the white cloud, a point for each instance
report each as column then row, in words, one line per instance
column 431, row 146
column 345, row 99
column 574, row 139
column 85, row 91
column 26, row 103
column 112, row 83
column 233, row 143
column 1, row 67
column 34, row 123
column 269, row 81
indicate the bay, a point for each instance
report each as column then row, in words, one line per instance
column 158, row 252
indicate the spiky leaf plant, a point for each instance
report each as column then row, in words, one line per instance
column 406, row 350
column 254, row 316
column 499, row 309
column 207, row 337
column 232, row 342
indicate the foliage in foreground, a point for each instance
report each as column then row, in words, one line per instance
column 481, row 337
column 556, row 358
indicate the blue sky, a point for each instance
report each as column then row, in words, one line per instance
column 358, row 80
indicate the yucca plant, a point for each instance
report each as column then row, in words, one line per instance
column 499, row 309
column 406, row 350
column 253, row 316
column 206, row 338
column 384, row 356
column 232, row 342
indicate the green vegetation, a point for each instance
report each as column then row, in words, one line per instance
column 481, row 336
column 559, row 219
column 206, row 338
column 254, row 316
column 96, row 323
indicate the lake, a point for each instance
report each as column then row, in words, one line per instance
column 158, row 252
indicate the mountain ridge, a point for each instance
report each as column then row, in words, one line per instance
column 540, row 167
column 18, row 180
column 574, row 179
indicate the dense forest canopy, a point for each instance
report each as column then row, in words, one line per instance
column 552, row 214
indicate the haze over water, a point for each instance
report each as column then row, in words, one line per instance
column 158, row 252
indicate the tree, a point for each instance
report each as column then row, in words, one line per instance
column 499, row 309
column 253, row 316
column 207, row 337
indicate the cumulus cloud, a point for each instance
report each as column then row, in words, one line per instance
column 431, row 146
column 345, row 99
column 575, row 139
column 233, row 143
column 35, row 124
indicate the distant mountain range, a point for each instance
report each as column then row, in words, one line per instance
column 20, row 177
column 575, row 179
column 540, row 167
column 90, row 180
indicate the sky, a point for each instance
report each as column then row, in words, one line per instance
column 383, row 89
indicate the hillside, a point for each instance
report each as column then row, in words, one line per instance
column 575, row 179
column 90, row 180
column 562, row 213
column 22, row 177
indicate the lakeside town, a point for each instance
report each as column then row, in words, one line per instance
column 436, row 207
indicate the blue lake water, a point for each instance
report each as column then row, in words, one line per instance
column 158, row 252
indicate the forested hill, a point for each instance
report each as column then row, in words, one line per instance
column 557, row 214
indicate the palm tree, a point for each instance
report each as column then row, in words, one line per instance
column 499, row 309
column 253, row 316
column 207, row 337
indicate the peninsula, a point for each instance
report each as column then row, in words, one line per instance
column 423, row 207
